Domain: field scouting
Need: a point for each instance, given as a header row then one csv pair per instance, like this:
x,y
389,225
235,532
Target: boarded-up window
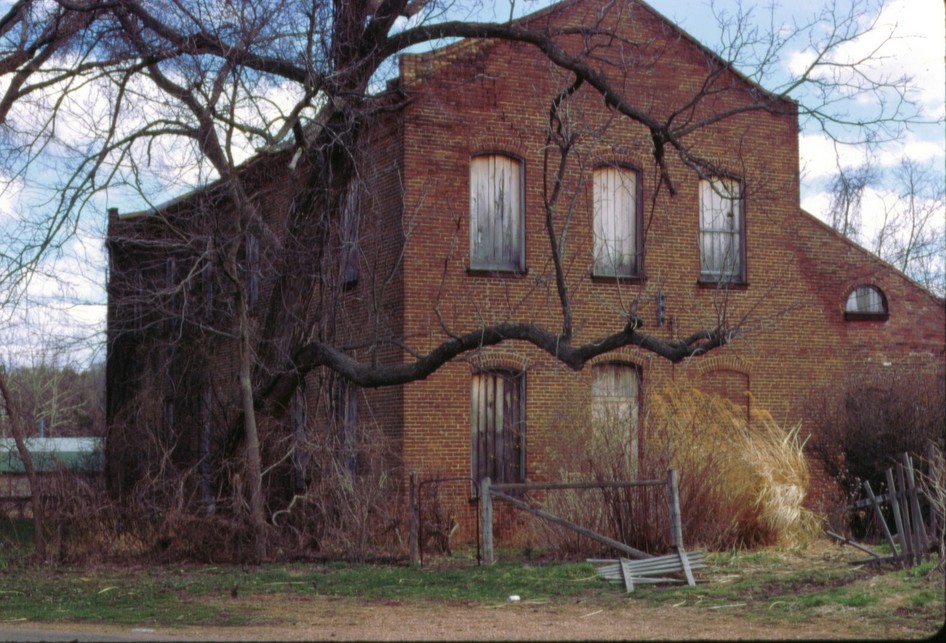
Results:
x,y
721,223
497,422
615,222
496,213
252,269
205,448
346,420
297,426
615,408
866,302
348,259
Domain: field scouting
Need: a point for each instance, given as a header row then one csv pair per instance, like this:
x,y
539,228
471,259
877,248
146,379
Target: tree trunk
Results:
x,y
254,469
36,500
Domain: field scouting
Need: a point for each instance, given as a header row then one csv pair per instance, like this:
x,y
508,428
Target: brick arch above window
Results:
x,y
627,355
865,302
493,359
705,365
490,144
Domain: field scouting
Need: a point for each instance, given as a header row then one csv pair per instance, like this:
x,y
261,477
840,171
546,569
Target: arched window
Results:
x,y
866,303
497,232
498,426
722,232
615,411
616,222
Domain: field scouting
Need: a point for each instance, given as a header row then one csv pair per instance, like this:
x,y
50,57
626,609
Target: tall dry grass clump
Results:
x,y
743,480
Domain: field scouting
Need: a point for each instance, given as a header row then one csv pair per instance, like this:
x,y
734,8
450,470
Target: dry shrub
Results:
x,y
742,483
862,427
350,506
601,452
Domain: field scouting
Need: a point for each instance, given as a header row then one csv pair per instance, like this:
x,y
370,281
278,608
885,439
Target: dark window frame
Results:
x,y
478,265
505,461
853,315
346,424
737,278
638,269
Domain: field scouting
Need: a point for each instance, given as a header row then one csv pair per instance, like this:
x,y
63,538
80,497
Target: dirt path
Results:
x,y
323,618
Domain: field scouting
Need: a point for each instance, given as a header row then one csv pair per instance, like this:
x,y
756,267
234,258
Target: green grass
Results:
x,y
761,585
199,595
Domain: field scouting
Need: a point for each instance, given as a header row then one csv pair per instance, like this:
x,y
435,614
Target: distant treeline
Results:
x,y
58,402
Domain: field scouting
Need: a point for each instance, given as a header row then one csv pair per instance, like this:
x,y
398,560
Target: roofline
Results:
x,y
465,42
559,6
886,264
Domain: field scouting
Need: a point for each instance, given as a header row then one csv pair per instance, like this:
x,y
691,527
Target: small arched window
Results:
x,y
866,303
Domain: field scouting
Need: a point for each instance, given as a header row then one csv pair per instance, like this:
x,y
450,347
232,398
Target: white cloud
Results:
x,y
11,188
919,48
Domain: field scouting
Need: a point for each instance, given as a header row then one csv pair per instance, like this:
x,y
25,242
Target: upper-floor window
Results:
x,y
722,251
252,269
348,259
616,222
866,302
496,213
498,426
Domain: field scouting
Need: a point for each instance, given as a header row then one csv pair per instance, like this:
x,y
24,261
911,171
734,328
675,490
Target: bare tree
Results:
x,y
116,89
847,195
911,235
18,423
905,226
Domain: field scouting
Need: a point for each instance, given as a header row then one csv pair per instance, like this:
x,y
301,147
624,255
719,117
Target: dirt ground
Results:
x,y
322,618
307,618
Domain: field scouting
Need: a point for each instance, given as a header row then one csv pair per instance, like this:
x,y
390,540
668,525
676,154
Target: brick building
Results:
x,y
444,232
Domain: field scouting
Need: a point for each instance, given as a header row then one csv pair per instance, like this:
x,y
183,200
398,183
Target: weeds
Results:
x,y
742,481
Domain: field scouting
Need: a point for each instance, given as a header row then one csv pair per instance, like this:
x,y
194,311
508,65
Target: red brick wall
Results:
x,y
793,342
414,285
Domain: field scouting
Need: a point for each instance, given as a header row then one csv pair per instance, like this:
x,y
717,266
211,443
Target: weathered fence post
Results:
x,y
880,517
486,503
413,518
673,500
895,509
904,499
921,544
932,473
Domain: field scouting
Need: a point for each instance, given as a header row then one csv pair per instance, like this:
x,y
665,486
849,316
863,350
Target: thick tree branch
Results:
x,y
372,375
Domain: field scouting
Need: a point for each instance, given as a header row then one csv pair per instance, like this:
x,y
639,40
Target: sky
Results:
x,y
64,310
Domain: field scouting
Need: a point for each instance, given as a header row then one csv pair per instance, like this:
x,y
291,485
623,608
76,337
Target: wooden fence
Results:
x,y
911,542
490,491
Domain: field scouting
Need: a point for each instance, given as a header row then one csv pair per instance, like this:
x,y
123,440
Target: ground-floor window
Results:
x,y
497,423
615,411
346,423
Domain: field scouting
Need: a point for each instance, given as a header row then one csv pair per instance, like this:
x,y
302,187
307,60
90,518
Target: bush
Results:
x,y
742,483
862,430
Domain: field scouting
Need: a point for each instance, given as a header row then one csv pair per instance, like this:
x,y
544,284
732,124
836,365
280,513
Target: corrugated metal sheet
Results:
x,y
85,455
